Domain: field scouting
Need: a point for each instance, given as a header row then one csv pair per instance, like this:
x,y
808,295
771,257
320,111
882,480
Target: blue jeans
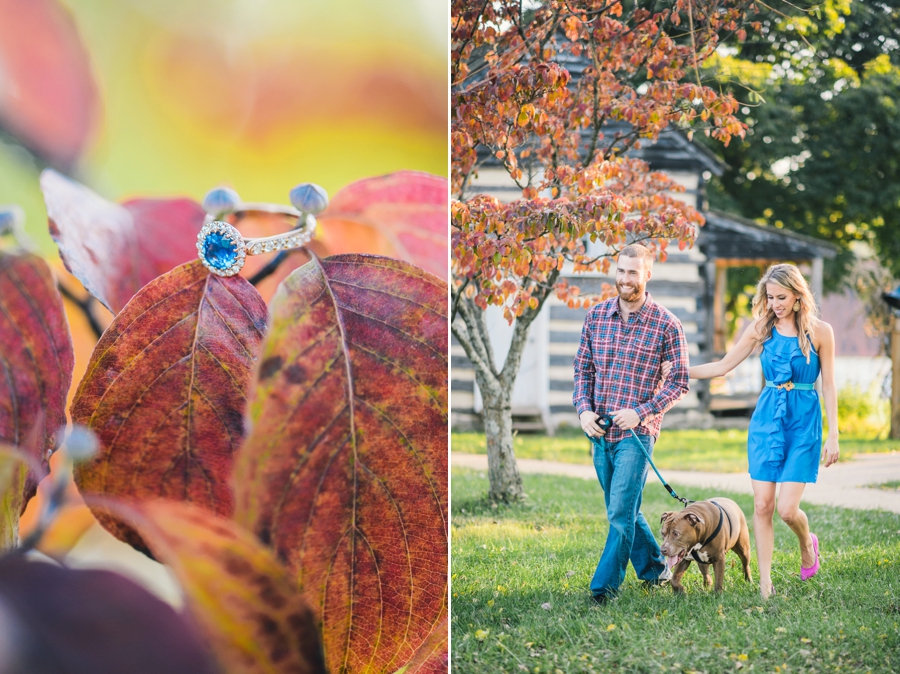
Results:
x,y
622,470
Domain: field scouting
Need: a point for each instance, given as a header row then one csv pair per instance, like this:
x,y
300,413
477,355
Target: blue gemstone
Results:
x,y
220,252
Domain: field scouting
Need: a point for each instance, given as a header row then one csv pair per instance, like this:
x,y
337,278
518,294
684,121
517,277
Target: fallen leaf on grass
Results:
x,y
165,392
345,470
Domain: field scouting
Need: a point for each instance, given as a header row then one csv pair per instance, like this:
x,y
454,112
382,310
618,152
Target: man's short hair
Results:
x,y
639,251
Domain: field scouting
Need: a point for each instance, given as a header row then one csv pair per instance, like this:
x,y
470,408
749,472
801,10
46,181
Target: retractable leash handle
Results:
x,y
605,422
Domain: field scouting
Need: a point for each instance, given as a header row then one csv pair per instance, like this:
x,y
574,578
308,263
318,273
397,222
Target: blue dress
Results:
x,y
785,439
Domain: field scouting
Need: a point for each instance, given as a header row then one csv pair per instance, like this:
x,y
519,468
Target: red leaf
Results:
x,y
49,99
36,359
91,622
165,392
403,215
245,602
115,250
345,470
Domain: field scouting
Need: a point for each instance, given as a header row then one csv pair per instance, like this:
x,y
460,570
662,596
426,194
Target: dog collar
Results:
x,y
715,533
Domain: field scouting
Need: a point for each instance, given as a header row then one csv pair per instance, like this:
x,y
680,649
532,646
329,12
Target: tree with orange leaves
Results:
x,y
557,94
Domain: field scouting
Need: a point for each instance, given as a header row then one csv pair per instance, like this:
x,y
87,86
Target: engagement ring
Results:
x,y
220,245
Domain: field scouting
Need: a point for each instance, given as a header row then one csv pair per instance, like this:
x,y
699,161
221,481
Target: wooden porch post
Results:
x,y
816,280
719,308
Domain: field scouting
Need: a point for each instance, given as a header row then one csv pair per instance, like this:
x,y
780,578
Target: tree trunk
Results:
x,y
895,378
470,329
505,482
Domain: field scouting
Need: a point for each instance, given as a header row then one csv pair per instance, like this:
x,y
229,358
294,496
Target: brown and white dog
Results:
x,y
704,532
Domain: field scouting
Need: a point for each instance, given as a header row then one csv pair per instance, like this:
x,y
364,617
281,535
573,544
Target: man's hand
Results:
x,y
626,419
589,424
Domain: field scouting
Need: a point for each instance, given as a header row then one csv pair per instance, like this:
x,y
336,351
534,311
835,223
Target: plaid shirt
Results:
x,y
618,364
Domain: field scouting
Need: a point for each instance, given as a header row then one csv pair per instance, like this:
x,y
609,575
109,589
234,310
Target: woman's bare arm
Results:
x,y
825,348
732,359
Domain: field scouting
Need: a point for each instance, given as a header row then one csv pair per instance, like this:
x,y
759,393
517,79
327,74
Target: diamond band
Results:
x,y
221,247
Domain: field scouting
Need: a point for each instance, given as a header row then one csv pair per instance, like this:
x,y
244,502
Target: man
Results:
x,y
624,342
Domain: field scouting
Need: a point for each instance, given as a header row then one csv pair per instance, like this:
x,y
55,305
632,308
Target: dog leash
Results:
x,y
605,423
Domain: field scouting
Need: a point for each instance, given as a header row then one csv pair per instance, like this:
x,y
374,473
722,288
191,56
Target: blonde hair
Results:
x,y
806,319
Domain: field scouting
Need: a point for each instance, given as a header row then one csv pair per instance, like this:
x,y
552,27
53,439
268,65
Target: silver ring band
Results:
x,y
221,247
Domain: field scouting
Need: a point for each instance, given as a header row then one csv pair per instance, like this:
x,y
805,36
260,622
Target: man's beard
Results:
x,y
632,294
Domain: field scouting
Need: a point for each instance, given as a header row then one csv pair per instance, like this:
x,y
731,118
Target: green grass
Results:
x,y
508,561
718,451
893,485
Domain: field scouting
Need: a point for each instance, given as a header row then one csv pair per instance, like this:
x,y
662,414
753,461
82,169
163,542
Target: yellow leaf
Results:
x,y
610,627
481,635
245,602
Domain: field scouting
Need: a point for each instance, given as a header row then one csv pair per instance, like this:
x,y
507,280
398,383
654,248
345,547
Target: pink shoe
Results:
x,y
806,574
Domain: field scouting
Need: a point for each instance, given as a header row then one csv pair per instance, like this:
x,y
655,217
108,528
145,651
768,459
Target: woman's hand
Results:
x,y
832,450
664,374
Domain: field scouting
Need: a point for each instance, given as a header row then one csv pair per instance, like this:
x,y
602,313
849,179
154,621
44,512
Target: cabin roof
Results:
x,y
728,236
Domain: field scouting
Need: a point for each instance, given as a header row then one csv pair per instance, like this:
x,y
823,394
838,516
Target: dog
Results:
x,y
704,532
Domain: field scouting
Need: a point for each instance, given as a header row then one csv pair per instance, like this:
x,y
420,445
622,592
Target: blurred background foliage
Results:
x,y
819,83
175,97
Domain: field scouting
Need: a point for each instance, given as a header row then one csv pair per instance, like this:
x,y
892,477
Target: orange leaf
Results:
x,y
243,600
403,215
49,98
13,476
431,658
345,470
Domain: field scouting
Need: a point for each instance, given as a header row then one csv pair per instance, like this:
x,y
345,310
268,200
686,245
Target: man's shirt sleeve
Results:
x,y
584,371
675,386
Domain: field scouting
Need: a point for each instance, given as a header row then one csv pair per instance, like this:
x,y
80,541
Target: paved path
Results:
x,y
843,484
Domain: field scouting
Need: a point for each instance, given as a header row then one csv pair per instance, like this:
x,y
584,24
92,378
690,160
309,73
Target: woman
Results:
x,y
785,440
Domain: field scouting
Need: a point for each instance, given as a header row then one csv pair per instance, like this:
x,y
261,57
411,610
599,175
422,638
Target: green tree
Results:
x,y
821,152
